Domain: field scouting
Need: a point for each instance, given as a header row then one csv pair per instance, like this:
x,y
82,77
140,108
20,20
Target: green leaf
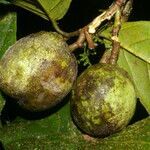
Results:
x,y
7,38
47,9
55,127
56,9
58,132
29,5
7,31
135,56
4,2
135,38
139,71
134,137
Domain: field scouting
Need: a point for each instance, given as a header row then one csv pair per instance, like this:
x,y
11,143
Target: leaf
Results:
x,y
134,137
4,2
58,132
135,56
8,31
55,9
135,38
29,5
138,70
7,38
58,125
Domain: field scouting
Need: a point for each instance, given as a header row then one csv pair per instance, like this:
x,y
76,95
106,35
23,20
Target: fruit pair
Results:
x,y
38,71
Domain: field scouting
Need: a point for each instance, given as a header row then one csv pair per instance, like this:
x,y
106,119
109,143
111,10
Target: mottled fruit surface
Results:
x,y
103,100
38,71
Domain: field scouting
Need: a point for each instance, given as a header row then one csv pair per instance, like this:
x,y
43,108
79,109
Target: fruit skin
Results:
x,y
103,100
38,71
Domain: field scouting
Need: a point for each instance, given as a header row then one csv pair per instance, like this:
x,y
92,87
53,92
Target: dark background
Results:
x,y
80,13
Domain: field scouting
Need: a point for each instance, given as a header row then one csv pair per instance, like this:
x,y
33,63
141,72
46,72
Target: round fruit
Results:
x,y
103,100
38,70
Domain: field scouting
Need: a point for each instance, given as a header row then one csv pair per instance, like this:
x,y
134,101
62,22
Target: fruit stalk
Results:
x,y
121,15
115,40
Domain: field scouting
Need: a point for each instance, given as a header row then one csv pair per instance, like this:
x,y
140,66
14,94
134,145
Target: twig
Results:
x,y
121,15
115,40
79,41
106,15
89,39
55,25
65,34
127,11
106,57
83,36
85,32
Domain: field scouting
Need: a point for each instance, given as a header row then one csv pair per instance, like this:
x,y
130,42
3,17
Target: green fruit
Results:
x,y
38,71
103,100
